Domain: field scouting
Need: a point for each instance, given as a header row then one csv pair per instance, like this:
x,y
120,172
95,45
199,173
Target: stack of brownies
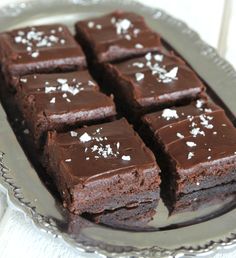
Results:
x,y
93,154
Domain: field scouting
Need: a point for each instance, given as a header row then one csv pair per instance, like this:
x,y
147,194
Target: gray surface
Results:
x,y
28,194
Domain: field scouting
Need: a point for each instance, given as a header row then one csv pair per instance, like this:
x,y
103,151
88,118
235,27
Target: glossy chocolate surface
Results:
x,y
38,49
117,36
168,116
54,101
202,139
198,142
100,151
154,81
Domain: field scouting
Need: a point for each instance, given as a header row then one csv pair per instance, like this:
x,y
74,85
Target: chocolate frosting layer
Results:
x,y
116,36
39,49
61,101
203,139
100,151
57,94
168,116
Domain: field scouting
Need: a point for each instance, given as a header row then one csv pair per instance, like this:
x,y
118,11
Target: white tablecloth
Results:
x,y
18,236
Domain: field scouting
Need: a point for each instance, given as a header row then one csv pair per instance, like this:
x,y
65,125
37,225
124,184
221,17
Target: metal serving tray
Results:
x,y
187,233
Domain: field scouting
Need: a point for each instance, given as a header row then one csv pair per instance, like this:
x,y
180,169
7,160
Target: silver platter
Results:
x,y
188,233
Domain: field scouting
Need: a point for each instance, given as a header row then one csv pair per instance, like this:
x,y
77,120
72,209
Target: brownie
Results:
x,y
152,82
61,101
102,167
116,36
39,49
199,150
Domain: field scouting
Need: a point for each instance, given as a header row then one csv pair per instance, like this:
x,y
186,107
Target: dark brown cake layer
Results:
x,y
61,101
102,167
116,36
152,82
199,148
38,49
205,198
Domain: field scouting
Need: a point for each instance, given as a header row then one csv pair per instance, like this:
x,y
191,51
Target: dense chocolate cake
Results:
x,y
102,167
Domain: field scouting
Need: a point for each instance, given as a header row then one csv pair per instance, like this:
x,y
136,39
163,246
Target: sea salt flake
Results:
x,y
139,65
35,54
197,183
21,33
197,131
49,89
91,83
169,114
158,58
90,24
53,38
73,134
190,155
18,39
85,137
61,81
209,157
68,160
94,148
68,100
24,80
136,31
139,76
113,20
99,26
191,144
126,157
128,37
148,56
199,103
210,126
87,158
53,100
138,46
172,73
122,26
180,135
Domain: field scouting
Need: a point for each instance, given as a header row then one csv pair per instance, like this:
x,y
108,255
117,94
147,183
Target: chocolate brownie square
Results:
x,y
61,101
39,49
152,82
102,167
199,151
116,36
